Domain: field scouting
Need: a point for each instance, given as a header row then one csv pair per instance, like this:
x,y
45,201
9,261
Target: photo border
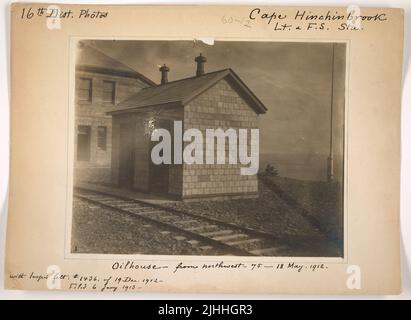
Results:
x,y
68,255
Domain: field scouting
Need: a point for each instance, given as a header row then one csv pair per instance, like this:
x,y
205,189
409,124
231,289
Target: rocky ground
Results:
x,y
268,213
99,230
305,213
319,202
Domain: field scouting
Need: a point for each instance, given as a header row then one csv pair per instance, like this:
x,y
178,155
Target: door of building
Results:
x,y
159,174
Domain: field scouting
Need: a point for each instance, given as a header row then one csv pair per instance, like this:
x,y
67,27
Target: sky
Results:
x,y
293,80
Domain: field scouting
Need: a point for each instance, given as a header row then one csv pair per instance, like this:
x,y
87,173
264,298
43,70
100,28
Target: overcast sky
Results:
x,y
293,80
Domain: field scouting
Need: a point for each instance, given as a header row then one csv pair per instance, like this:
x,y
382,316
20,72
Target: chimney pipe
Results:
x,y
200,64
164,70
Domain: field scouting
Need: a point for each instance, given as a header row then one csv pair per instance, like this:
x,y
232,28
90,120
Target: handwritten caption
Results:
x,y
352,19
54,12
160,273
307,20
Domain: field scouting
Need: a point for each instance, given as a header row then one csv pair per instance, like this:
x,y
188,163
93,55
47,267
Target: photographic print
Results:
x,y
205,149
186,148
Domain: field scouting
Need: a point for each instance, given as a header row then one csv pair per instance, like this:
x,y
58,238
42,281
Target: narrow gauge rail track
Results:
x,y
210,234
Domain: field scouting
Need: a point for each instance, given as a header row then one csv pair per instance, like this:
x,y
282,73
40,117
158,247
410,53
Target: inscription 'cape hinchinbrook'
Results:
x,y
257,13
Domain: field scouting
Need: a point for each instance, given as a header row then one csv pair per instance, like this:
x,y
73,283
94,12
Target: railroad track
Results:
x,y
209,234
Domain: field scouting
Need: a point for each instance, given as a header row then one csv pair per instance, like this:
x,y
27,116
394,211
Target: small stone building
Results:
x,y
212,100
101,82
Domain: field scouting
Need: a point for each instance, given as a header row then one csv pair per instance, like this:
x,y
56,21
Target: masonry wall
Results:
x,y
93,113
117,122
175,175
218,107
141,148
142,122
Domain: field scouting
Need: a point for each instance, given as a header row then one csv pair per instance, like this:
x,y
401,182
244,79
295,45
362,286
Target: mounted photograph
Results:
x,y
219,150
229,149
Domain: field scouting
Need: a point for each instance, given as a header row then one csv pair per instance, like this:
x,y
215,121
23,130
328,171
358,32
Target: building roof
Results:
x,y
93,60
184,90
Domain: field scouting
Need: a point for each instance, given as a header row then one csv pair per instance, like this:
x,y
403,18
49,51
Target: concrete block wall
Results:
x,y
142,154
93,114
141,148
117,121
98,168
169,114
218,107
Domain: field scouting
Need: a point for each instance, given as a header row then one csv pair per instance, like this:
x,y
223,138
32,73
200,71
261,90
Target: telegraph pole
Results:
x,y
330,161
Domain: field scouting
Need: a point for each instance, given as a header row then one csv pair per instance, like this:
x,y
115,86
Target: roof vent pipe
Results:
x,y
200,64
164,71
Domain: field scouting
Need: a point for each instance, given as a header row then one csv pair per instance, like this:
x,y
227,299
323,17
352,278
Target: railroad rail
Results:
x,y
210,234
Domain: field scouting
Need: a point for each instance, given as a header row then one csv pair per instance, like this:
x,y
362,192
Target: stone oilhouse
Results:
x,y
212,100
101,82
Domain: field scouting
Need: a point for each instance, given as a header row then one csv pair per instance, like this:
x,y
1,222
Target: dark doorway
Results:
x,y
126,165
159,174
83,143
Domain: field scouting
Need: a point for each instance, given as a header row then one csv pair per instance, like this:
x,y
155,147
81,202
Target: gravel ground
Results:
x,y
267,213
321,202
304,214
100,230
